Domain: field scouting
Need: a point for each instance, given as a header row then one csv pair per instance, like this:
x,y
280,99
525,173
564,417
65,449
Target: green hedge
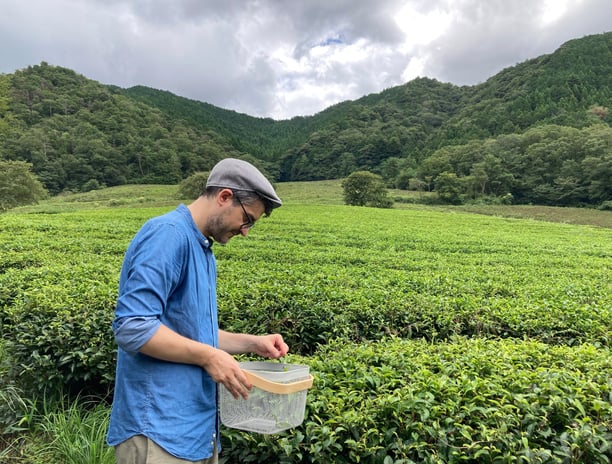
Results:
x,y
333,280
325,272
57,331
58,287
466,400
313,274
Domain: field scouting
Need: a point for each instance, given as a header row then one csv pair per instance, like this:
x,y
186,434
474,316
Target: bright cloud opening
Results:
x,y
553,10
421,29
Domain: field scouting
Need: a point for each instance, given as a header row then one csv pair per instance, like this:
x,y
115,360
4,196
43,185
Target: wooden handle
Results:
x,y
280,388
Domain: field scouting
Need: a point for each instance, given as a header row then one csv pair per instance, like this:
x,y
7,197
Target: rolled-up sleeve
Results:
x,y
131,333
149,275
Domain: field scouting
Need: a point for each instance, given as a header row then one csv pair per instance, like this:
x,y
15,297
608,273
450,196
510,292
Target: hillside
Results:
x,y
549,116
559,88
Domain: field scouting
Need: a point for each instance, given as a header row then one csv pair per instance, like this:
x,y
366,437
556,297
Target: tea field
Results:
x,y
435,335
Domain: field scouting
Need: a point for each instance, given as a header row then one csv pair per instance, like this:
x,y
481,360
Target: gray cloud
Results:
x,y
285,58
486,37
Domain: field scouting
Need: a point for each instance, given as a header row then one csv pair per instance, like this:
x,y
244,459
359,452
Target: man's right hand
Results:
x,y
224,369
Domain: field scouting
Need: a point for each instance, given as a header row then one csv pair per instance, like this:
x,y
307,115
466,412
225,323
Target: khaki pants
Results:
x,y
142,450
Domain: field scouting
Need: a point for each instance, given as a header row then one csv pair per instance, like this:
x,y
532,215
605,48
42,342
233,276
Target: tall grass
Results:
x,y
16,410
64,431
15,413
74,433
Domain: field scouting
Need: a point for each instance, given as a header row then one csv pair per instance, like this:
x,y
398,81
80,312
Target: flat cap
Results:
x,y
239,175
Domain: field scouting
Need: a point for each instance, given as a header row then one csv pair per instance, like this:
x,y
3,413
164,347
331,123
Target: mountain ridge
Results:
x,y
79,134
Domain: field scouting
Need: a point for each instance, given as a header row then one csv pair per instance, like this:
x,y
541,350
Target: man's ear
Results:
x,y
225,196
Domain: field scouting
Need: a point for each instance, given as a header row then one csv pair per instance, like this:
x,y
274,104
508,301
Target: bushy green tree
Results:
x,y
449,187
363,188
193,186
18,185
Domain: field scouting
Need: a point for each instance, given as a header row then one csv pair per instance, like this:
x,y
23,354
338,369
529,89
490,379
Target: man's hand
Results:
x,y
271,346
224,369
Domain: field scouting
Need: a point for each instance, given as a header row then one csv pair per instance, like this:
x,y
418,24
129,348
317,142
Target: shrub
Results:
x,y
338,274
18,185
332,274
56,306
91,184
60,337
364,188
192,187
398,401
606,206
448,186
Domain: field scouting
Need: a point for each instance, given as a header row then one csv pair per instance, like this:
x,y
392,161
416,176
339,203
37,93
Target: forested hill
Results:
x,y
571,87
537,132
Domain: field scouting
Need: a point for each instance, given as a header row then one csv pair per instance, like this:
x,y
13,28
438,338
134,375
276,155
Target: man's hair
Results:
x,y
247,197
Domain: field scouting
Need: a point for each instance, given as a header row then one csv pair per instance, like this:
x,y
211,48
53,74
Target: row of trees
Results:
x,y
550,165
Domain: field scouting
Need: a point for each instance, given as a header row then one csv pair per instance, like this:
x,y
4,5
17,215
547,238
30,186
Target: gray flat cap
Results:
x,y
239,175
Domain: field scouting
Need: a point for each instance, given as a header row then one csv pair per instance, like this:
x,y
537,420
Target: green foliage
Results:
x,y
364,188
448,187
606,206
424,274
58,300
5,116
364,134
53,344
402,401
192,187
136,195
261,137
15,410
73,432
436,338
550,165
18,185
79,134
410,122
337,275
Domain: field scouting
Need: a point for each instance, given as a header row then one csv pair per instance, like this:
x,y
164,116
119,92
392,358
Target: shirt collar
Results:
x,y
204,241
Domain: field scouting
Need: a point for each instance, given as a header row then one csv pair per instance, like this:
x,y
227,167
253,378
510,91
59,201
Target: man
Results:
x,y
171,352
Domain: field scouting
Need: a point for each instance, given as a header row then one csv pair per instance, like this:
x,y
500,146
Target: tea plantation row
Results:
x,y
333,278
465,400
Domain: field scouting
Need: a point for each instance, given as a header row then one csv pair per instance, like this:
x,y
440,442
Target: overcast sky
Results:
x,y
285,58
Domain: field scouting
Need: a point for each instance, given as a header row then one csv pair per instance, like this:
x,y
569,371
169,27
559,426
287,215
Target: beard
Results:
x,y
218,229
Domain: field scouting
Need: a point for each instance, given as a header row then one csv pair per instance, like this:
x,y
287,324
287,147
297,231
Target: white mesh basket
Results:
x,y
277,401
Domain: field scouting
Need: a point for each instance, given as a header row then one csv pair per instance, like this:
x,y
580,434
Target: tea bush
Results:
x,y
57,295
312,273
60,335
466,400
332,279
323,272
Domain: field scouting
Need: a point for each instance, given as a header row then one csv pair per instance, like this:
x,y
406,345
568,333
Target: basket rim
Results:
x,y
276,387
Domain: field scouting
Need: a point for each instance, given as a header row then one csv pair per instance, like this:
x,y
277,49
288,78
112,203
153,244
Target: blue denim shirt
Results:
x,y
168,277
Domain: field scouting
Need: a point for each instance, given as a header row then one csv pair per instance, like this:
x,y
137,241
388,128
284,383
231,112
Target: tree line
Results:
x,y
538,132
